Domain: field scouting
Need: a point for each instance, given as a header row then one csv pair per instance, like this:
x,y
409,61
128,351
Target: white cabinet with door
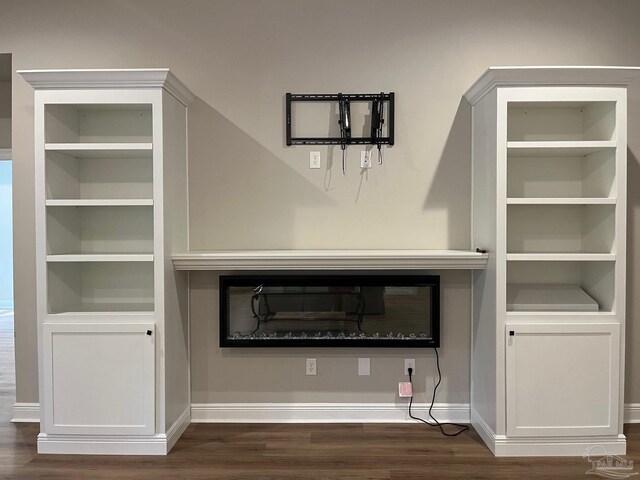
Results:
x,y
549,204
111,208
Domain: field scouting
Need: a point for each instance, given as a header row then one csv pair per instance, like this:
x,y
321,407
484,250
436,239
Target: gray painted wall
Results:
x,y
249,191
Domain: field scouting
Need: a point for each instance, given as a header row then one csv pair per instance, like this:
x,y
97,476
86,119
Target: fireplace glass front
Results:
x,y
330,310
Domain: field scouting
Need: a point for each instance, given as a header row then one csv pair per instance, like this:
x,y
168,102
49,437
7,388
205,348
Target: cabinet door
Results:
x,y
562,379
99,378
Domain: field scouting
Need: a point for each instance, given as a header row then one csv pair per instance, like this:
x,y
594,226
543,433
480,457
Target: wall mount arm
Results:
x,y
344,100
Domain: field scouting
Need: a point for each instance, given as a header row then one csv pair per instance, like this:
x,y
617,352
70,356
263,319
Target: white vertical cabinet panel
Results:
x,y
562,379
99,378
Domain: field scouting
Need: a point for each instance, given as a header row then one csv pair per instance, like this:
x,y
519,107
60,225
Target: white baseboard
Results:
x,y
178,428
26,413
307,412
324,412
632,413
484,430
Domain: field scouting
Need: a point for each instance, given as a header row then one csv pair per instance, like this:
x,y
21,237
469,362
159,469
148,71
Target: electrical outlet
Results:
x,y
311,366
314,160
365,159
409,363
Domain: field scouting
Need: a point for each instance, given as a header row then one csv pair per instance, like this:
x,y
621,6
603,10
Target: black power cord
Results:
x,y
463,428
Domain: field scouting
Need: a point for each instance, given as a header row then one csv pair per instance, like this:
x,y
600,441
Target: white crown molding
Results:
x,y
330,260
324,412
109,78
550,75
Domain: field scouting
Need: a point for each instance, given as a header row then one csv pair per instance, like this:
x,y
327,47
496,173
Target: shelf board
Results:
x,y
101,202
101,257
122,309
102,150
330,260
557,148
560,201
559,298
561,257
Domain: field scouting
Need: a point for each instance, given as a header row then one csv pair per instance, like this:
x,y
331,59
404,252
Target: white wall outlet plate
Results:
x,y
314,159
311,367
365,159
409,363
364,366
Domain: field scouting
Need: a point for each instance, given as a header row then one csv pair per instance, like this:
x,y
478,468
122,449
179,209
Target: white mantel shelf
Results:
x,y
330,260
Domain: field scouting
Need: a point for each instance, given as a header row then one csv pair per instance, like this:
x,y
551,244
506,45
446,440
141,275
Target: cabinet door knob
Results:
x,y
149,332
511,333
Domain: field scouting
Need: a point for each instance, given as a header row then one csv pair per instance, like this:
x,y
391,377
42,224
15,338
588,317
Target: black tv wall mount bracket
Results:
x,y
378,120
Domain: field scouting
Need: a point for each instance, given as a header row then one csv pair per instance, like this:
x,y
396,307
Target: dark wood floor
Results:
x,y
279,451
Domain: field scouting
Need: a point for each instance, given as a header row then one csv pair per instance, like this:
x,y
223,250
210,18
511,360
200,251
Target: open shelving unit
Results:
x,y
549,203
99,207
111,208
561,204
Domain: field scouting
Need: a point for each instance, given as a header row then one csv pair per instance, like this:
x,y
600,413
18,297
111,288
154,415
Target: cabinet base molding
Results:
x,y
103,444
501,446
324,412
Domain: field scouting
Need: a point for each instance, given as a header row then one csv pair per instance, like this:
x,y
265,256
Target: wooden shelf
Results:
x,y
330,260
557,148
98,150
560,201
101,257
561,257
101,202
560,298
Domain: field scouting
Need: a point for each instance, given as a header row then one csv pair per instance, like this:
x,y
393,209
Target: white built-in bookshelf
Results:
x,y
110,152
549,204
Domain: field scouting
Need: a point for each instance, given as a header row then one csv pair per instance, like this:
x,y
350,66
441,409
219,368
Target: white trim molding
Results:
x,y
330,260
293,412
324,412
549,76
501,446
159,444
103,444
26,413
109,78
632,413
177,429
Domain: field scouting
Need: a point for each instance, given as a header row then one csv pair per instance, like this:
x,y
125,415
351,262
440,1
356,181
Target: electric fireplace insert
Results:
x,y
330,311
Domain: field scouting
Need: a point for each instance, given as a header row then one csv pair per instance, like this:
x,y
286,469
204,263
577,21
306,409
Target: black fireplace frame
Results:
x,y
373,279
